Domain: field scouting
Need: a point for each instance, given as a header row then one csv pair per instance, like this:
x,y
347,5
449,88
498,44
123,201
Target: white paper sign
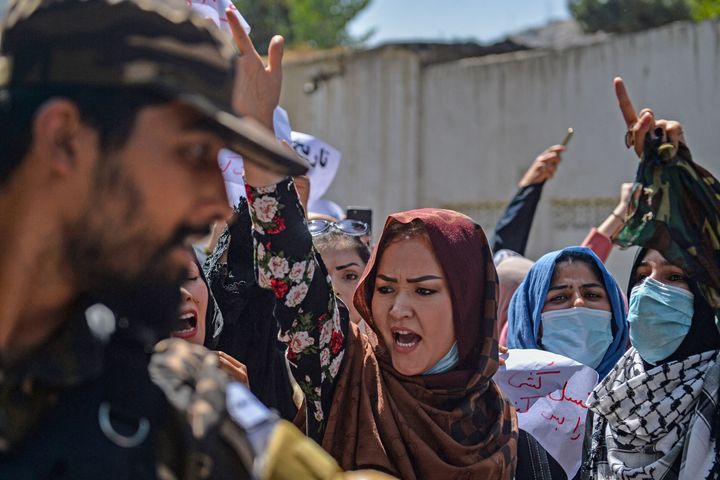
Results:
x,y
324,160
281,125
231,166
215,10
231,163
549,392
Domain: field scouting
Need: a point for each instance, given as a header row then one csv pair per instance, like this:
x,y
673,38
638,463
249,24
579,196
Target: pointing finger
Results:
x,y
626,106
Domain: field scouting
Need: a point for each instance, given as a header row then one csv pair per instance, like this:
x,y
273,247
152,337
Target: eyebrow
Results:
x,y
585,285
424,278
343,267
664,263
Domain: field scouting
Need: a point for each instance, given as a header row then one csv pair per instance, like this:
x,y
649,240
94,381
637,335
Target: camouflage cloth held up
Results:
x,y
675,209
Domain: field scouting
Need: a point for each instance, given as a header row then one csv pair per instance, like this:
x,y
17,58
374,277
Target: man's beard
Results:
x,y
146,297
112,261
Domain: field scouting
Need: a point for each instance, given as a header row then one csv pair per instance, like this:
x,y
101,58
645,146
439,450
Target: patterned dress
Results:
x,y
311,324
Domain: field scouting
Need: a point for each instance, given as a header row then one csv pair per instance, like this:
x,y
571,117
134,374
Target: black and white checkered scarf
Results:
x,y
656,424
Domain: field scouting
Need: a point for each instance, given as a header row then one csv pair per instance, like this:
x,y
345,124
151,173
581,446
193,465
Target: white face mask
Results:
x,y
582,334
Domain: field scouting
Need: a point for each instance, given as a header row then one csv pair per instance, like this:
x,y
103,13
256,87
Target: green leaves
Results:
x,y
704,9
628,15
303,23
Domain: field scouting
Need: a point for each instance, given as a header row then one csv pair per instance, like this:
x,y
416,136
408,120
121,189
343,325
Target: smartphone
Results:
x,y
362,214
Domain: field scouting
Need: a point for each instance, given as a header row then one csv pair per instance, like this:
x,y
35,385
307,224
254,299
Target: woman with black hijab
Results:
x,y
200,320
656,412
250,331
654,395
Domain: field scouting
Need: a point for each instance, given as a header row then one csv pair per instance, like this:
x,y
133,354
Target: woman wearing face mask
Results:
x,y
421,403
656,413
345,257
645,408
568,304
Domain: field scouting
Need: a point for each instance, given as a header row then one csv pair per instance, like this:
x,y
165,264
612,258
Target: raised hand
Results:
x,y
257,87
639,125
257,90
544,167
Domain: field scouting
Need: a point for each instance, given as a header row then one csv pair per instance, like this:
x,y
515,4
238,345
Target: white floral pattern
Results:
x,y
298,271
279,267
310,323
335,365
324,357
325,334
296,295
300,341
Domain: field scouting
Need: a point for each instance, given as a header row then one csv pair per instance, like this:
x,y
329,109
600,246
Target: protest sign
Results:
x,y
549,392
215,10
231,166
324,160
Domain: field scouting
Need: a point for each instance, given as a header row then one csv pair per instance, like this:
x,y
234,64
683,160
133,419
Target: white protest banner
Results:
x,y
324,160
231,163
215,10
231,166
281,125
549,392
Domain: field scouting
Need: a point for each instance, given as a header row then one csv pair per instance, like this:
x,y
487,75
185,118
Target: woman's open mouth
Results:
x,y
188,325
405,341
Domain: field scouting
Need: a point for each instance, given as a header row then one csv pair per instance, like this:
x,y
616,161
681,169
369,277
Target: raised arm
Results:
x,y
285,260
599,239
513,229
674,207
305,305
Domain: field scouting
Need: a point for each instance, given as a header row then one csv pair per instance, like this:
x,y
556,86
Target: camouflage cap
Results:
x,y
158,44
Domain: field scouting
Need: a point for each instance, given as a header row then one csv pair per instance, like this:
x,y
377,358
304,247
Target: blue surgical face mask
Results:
x,y
660,317
582,334
447,363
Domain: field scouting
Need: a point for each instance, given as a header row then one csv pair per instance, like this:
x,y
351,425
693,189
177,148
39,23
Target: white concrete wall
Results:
x,y
369,113
460,134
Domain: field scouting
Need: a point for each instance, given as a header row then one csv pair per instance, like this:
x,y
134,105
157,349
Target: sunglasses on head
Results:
x,y
354,228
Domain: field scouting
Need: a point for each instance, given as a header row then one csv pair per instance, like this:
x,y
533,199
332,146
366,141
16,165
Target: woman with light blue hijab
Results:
x,y
568,304
546,317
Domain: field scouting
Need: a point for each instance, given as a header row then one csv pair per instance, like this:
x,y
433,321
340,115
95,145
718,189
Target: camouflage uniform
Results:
x,y
82,405
79,408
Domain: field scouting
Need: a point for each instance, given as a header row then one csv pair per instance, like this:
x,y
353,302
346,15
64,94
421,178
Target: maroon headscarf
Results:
x,y
462,250
454,425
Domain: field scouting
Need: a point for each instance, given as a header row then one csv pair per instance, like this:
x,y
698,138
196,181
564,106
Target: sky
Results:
x,y
449,20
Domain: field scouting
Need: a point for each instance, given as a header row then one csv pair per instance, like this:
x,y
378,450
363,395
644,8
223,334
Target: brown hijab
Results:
x,y
455,425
